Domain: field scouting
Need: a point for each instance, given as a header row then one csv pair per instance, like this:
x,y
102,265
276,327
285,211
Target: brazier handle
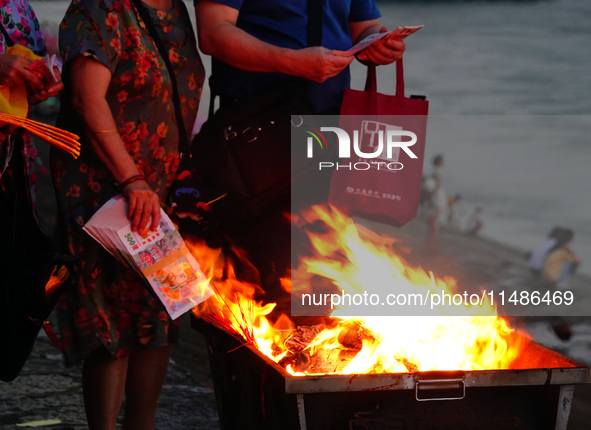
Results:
x,y
440,389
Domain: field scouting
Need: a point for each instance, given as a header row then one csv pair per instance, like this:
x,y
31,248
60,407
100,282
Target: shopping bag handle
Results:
x,y
371,83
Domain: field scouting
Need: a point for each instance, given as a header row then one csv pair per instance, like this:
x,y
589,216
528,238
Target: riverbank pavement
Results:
x,y
48,396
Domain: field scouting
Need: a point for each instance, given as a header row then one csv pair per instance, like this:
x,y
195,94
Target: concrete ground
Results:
x,y
48,392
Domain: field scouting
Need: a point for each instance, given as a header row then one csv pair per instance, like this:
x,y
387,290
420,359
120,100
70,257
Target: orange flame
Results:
x,y
356,260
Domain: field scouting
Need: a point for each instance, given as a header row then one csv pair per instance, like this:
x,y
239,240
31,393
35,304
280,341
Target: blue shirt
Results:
x,y
284,23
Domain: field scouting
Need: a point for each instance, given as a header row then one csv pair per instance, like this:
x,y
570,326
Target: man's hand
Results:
x,y
318,64
384,51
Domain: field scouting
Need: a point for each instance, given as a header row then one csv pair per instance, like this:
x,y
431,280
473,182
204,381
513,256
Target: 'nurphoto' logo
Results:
x,y
377,145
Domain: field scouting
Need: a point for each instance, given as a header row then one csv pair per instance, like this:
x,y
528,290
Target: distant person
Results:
x,y
475,223
438,199
561,261
454,209
538,256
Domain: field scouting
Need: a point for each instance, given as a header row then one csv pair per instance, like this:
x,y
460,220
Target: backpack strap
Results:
x,y
7,39
314,23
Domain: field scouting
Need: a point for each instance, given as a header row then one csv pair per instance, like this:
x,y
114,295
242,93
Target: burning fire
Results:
x,y
356,260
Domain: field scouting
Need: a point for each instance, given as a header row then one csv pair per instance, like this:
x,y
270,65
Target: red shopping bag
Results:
x,y
382,178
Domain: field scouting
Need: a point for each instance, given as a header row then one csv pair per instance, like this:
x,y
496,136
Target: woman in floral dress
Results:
x,y
118,98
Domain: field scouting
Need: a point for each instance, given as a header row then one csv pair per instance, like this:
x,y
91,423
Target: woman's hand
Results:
x,y
13,72
50,91
144,206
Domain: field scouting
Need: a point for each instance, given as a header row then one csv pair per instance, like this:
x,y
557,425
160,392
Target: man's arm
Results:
x,y
380,53
220,38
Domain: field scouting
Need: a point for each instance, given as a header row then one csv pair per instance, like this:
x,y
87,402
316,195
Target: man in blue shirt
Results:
x,y
258,42
255,44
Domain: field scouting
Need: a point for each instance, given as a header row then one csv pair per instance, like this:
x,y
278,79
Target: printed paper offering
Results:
x,y
43,69
399,33
161,256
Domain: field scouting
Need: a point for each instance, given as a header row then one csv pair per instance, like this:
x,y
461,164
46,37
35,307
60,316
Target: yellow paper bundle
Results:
x,y
14,107
13,100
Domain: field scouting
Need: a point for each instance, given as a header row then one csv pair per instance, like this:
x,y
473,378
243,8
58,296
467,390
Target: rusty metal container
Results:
x,y
253,392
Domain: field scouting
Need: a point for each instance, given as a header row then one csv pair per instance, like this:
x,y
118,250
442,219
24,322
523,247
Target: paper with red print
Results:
x,y
161,256
399,33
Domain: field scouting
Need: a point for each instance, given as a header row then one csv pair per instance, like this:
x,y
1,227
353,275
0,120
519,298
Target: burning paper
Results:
x,y
160,256
345,344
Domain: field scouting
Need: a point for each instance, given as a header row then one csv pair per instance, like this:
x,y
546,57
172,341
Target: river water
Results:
x,y
509,86
507,62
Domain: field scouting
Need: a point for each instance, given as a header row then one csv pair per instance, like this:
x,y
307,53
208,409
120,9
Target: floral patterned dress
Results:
x,y
110,305
20,23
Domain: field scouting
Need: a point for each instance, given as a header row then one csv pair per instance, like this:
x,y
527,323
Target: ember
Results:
x,y
355,259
